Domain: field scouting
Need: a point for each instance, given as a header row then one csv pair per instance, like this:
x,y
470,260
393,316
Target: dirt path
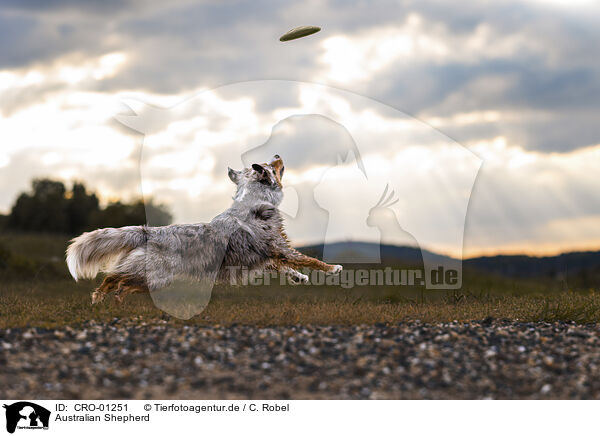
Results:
x,y
410,360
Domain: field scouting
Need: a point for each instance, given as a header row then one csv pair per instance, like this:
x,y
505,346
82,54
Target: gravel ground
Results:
x,y
487,359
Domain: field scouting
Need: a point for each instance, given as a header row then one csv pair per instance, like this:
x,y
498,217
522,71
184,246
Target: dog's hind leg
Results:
x,y
108,285
130,285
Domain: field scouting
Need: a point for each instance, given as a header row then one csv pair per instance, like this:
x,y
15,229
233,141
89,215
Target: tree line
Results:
x,y
52,208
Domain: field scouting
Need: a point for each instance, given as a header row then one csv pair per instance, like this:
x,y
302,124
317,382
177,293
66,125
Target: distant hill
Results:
x,y
364,250
576,263
585,265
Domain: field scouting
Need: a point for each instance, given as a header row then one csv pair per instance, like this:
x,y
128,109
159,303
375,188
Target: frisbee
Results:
x,y
299,32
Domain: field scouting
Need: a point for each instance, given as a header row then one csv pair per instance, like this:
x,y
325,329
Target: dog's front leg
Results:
x,y
295,260
294,277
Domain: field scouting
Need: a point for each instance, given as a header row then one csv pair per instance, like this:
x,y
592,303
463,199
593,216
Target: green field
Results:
x,y
35,290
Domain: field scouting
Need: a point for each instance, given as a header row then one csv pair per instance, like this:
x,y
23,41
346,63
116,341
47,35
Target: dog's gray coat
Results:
x,y
250,234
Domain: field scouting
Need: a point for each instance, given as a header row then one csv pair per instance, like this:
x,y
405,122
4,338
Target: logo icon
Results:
x,y
26,415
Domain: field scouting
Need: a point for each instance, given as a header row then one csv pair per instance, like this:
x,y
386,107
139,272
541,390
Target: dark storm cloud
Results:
x,y
181,46
96,6
18,34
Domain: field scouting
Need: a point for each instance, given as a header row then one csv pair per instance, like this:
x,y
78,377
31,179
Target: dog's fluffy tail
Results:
x,y
101,249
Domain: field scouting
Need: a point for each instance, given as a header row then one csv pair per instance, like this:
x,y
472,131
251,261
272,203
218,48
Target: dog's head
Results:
x,y
260,182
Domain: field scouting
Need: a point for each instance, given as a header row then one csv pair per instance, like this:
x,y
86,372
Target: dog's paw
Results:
x,y
118,297
336,269
97,297
298,279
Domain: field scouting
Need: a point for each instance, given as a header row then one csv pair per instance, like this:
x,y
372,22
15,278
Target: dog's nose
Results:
x,y
276,159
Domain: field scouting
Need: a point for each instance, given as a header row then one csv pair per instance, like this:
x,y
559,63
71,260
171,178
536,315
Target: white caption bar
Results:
x,y
300,417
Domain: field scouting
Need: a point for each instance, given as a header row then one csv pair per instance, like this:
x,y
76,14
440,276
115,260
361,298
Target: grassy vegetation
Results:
x,y
45,297
65,303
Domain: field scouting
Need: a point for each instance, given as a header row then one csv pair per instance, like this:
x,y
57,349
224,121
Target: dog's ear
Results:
x,y
259,169
233,175
263,174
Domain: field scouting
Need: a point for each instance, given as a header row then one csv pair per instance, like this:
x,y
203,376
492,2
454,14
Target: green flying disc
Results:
x,y
299,32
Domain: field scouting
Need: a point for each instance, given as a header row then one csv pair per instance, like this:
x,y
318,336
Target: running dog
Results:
x,y
249,234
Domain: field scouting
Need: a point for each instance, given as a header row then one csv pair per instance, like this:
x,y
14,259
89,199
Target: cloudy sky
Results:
x,y
483,118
